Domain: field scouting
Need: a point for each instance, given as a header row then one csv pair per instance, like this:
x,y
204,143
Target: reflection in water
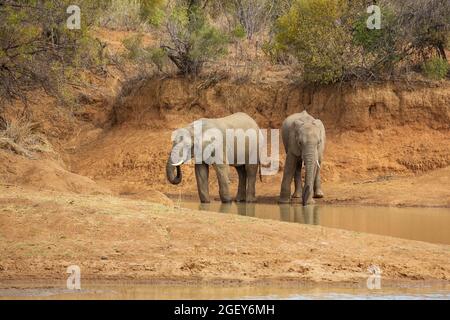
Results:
x,y
424,224
299,214
287,213
136,291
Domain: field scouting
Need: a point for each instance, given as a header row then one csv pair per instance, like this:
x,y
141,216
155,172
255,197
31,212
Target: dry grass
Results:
x,y
20,136
124,15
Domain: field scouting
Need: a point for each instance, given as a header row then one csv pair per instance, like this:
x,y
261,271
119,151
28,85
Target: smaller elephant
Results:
x,y
304,142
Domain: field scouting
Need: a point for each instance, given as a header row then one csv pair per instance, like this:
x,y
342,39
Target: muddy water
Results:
x,y
423,224
133,291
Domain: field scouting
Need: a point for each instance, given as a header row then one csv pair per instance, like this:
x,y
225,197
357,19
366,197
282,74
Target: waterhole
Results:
x,y
140,291
423,224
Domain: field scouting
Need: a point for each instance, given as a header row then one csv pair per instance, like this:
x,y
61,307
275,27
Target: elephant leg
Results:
x,y
318,193
202,176
297,196
288,174
242,187
252,172
223,180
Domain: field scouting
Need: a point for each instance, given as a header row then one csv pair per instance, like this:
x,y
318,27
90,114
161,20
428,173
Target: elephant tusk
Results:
x,y
178,164
318,164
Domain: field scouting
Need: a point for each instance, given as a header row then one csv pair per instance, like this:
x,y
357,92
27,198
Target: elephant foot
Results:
x,y
226,200
296,199
310,201
250,200
284,201
239,199
205,201
318,194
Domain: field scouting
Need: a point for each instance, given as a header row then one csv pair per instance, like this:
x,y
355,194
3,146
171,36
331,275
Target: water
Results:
x,y
423,224
135,291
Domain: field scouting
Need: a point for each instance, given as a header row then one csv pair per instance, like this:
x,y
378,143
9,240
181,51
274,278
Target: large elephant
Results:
x,y
247,168
304,142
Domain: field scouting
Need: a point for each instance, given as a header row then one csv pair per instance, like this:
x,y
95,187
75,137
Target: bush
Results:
x,y
381,48
134,15
192,40
276,52
123,15
435,68
20,136
152,11
36,47
331,41
238,32
252,15
144,57
311,31
425,23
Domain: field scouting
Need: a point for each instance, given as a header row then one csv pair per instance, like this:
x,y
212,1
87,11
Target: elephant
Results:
x,y
304,141
247,168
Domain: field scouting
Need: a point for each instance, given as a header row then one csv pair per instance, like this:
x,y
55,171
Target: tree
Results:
x,y
153,11
312,31
36,47
192,39
426,24
253,15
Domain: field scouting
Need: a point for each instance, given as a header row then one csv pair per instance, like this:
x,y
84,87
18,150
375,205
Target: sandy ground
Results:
x,y
118,238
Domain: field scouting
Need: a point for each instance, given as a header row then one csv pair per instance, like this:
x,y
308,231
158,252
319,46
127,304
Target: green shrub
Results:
x,y
311,31
38,50
435,68
152,11
192,40
123,15
425,24
374,40
276,52
143,56
238,32
382,48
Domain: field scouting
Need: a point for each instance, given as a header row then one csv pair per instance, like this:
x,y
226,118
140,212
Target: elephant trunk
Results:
x,y
309,158
170,168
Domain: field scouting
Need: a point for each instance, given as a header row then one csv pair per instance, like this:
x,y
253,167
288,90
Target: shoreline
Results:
x,y
218,283
322,202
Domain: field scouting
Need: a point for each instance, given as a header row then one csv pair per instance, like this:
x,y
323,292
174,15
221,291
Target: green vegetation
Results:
x,y
435,68
132,15
38,50
312,33
331,41
192,39
153,11
325,40
123,15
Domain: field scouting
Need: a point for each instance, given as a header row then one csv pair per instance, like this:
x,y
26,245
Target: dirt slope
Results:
x,y
375,133
357,107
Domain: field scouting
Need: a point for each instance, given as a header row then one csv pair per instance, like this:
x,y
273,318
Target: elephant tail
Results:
x,y
260,172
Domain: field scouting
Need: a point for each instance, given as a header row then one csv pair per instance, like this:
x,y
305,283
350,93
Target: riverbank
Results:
x,y
115,238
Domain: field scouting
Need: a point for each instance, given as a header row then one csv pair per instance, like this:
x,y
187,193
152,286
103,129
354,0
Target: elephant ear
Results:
x,y
319,124
294,136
